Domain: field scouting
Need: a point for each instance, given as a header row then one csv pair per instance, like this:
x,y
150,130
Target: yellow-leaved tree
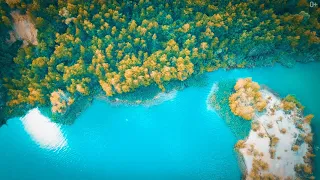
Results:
x,y
246,99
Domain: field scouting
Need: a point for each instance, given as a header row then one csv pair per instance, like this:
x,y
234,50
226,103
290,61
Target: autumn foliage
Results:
x,y
290,102
59,101
88,47
246,99
308,118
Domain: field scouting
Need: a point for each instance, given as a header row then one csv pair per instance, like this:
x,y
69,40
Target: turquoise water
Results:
x,y
177,139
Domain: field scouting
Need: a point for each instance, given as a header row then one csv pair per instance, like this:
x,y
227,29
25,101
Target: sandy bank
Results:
x,y
275,146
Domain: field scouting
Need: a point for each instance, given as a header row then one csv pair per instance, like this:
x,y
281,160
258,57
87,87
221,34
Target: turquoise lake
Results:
x,y
179,138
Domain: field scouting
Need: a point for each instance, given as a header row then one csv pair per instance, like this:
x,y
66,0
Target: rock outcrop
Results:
x,y
24,29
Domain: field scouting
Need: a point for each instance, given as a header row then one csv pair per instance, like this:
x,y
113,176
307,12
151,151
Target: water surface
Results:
x,y
177,139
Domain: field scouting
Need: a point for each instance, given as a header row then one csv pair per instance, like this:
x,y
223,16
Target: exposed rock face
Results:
x,y
279,143
24,29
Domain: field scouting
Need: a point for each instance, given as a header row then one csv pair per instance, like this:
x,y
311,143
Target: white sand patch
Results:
x,y
23,29
44,132
270,123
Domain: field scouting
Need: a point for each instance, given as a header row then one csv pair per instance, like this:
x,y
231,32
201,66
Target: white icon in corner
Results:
x,y
313,4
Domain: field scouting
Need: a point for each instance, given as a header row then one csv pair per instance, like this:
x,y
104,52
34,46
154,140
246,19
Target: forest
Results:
x,y
86,48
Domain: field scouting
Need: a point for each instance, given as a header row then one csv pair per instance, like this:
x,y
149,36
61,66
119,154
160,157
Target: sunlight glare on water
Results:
x,y
173,136
44,132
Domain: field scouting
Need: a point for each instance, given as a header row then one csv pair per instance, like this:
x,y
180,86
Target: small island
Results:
x,y
279,143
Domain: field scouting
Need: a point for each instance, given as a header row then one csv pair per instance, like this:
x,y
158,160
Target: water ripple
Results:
x,y
44,132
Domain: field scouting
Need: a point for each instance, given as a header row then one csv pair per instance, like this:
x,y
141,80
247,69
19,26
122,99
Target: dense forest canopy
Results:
x,y
86,47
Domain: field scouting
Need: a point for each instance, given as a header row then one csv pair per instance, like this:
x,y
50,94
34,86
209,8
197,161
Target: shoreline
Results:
x,y
159,98
154,97
260,150
178,86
